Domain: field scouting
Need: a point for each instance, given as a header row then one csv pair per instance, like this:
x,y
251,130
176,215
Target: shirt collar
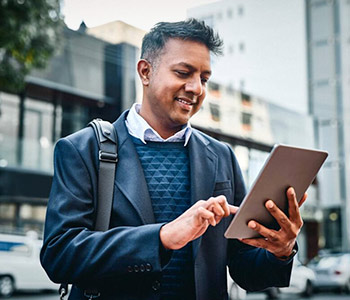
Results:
x,y
139,128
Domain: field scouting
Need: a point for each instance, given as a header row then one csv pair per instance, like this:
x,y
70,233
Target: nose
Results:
x,y
194,85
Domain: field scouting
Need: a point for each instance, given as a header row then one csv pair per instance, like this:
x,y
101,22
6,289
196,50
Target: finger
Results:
x,y
222,202
303,200
258,242
279,215
293,209
206,215
225,206
218,211
269,234
233,209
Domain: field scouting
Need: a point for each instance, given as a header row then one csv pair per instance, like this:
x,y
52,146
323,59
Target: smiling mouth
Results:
x,y
185,101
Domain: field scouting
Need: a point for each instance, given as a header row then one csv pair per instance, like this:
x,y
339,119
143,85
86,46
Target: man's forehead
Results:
x,y
188,53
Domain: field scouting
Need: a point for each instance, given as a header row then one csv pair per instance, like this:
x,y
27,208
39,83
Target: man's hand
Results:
x,y
195,221
280,242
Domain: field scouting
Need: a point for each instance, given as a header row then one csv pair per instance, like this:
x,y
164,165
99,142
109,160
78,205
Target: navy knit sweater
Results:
x,y
167,172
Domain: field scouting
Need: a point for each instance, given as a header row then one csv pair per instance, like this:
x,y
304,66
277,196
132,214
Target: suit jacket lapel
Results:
x,y
203,168
130,178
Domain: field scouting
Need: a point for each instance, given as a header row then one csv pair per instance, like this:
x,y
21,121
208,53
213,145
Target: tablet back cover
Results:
x,y
285,167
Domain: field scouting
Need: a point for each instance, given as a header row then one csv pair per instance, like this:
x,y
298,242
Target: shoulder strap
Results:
x,y
108,156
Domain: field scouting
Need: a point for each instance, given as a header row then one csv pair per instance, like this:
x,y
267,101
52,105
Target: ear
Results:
x,y
144,70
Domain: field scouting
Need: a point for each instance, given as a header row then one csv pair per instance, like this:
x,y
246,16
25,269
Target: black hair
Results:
x,y
191,29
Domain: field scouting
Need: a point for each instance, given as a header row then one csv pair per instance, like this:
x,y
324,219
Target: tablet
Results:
x,y
285,167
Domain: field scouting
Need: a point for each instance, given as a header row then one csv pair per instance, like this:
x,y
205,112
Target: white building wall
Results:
x,y
265,48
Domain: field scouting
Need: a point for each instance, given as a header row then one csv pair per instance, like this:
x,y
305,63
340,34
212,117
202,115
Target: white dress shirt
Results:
x,y
139,128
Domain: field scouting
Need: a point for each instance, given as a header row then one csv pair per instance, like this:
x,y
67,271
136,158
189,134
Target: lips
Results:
x,y
185,100
185,103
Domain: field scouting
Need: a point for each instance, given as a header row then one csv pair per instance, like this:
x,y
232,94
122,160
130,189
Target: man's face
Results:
x,y
177,85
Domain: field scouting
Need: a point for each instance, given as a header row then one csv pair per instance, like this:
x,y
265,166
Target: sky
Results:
x,y
140,13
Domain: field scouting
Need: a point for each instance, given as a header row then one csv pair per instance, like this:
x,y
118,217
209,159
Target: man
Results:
x,y
174,193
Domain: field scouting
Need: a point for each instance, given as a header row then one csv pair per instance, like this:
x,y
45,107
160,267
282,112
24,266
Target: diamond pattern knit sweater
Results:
x,y
166,169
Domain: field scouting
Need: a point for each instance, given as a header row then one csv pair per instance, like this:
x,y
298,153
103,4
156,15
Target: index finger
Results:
x,y
221,200
293,206
233,209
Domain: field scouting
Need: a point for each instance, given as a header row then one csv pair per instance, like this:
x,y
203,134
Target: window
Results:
x,y
240,10
241,47
214,90
37,142
246,101
9,123
213,86
214,111
246,121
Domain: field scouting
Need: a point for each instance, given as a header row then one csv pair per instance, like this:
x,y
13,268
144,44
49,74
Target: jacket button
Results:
x,y
156,285
148,267
136,268
130,269
142,268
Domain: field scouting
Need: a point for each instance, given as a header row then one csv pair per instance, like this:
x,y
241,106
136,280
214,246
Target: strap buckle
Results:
x,y
92,294
108,156
63,293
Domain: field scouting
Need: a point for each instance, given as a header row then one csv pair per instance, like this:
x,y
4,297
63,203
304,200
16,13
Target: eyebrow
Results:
x,y
192,68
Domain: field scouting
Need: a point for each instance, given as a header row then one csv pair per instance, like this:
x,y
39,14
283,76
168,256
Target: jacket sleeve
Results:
x,y
253,268
72,251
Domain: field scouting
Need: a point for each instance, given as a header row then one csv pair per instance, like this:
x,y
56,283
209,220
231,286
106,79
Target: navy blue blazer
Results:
x,y
126,261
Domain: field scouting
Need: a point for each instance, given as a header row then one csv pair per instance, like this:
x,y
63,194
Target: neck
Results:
x,y
163,129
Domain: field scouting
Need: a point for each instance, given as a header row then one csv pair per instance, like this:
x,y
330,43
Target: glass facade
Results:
x,y
9,124
87,78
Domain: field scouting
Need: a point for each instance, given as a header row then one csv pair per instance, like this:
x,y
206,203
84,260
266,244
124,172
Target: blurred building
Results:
x,y
296,54
118,32
328,32
264,48
87,78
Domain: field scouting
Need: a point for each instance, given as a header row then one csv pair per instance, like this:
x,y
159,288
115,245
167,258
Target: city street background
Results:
x,y
284,77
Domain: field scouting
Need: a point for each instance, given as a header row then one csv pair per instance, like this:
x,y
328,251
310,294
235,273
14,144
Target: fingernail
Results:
x,y
270,204
252,225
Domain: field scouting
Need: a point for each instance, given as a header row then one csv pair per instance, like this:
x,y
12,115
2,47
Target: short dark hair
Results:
x,y
191,29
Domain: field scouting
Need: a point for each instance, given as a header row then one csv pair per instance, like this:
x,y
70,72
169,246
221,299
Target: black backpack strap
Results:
x,y
108,157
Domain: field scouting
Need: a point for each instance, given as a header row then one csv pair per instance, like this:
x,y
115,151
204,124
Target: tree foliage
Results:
x,y
29,33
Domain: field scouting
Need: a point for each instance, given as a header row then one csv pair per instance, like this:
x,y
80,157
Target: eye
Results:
x,y
182,74
204,80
